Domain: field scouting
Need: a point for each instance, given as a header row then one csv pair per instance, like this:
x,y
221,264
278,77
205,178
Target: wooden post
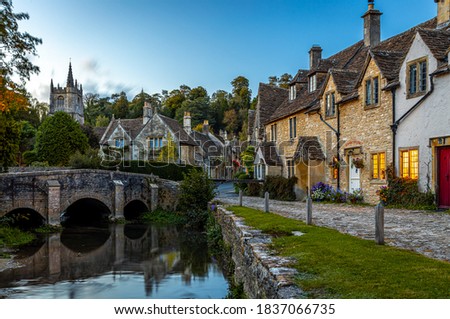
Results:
x,y
266,202
379,224
308,211
240,197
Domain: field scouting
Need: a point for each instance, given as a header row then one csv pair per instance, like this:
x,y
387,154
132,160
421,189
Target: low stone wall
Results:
x,y
262,274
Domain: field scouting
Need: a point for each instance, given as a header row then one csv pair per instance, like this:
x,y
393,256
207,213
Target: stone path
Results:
x,y
427,233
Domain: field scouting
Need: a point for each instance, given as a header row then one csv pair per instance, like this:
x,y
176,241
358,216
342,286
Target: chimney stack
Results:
x,y
205,127
187,122
372,26
315,55
147,112
443,13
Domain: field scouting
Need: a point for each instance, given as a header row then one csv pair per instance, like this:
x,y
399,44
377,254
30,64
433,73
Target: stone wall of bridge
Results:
x,y
51,192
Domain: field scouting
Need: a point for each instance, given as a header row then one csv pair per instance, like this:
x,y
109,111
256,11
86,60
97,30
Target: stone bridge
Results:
x,y
52,193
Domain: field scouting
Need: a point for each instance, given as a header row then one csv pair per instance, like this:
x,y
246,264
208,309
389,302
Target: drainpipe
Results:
x,y
394,132
396,123
338,137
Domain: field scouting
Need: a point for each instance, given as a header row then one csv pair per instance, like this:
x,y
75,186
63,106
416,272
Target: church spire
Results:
x,y
70,77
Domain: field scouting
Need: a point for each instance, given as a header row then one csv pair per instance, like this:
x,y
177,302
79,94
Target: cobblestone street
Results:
x,y
427,233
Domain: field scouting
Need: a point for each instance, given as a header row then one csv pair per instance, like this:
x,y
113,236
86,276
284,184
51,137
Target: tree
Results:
x,y
58,138
283,81
101,121
120,105
169,152
17,47
9,140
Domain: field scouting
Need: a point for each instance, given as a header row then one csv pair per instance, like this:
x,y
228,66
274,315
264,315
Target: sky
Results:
x,y
155,45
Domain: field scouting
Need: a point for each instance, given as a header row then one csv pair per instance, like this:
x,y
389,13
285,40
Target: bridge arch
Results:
x,y
86,211
25,217
134,208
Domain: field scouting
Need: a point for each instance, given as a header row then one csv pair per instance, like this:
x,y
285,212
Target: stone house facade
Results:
x,y
155,137
336,125
422,140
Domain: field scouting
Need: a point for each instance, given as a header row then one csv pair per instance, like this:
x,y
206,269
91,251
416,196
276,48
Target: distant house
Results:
x,y
155,137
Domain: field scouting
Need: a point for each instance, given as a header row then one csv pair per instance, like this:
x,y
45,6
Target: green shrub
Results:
x,y
169,171
254,189
29,157
197,190
280,188
404,192
88,159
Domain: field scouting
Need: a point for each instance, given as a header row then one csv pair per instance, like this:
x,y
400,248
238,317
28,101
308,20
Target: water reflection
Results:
x,y
121,261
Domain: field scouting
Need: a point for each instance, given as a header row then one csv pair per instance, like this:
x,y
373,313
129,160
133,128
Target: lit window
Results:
x,y
409,161
330,106
293,127
379,166
417,78
372,91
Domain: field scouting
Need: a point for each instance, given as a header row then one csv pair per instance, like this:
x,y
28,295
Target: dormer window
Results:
x,y
330,105
119,143
417,77
292,92
312,83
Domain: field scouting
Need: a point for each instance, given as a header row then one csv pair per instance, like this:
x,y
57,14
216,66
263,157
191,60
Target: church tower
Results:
x,y
68,99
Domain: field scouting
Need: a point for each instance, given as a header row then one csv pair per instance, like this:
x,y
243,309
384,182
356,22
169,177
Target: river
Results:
x,y
117,261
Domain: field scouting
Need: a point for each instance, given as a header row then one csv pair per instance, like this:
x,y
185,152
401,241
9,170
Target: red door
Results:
x,y
444,177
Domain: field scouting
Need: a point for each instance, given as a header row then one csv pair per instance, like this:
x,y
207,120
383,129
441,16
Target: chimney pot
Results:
x,y
372,26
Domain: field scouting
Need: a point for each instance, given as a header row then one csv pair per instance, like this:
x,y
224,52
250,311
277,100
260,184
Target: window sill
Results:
x,y
371,106
412,96
329,117
378,181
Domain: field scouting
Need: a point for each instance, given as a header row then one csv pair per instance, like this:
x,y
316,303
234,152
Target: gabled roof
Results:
x,y
132,127
348,65
438,41
344,80
300,77
309,149
211,145
178,130
269,99
268,151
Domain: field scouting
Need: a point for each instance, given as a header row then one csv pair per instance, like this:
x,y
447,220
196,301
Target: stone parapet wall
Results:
x,y
262,274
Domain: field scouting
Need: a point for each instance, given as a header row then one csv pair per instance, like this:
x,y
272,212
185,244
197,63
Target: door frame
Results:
x,y
350,164
438,174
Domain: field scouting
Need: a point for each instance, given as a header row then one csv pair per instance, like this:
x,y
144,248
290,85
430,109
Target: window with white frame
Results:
x,y
312,83
292,92
155,143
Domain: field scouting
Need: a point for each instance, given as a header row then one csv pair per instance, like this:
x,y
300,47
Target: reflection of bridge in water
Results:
x,y
148,250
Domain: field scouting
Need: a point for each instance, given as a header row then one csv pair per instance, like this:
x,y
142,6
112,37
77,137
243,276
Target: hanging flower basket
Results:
x,y
334,163
358,162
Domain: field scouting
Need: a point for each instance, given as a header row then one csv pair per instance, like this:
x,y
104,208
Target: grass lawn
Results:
x,y
335,265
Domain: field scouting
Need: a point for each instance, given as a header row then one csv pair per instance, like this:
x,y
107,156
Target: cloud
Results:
x,y
91,65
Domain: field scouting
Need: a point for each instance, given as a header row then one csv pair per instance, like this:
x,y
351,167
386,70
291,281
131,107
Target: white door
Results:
x,y
354,176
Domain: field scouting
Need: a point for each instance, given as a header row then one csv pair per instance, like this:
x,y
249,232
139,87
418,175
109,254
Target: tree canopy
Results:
x,y
58,137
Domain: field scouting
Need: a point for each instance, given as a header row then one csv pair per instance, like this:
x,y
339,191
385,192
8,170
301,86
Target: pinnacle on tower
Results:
x,y
70,77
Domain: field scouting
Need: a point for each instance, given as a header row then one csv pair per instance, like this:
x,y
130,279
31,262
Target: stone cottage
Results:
x,y
335,123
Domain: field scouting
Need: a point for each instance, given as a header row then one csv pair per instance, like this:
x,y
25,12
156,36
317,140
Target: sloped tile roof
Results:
x,y
210,146
269,99
269,153
178,130
437,40
345,80
300,77
309,148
